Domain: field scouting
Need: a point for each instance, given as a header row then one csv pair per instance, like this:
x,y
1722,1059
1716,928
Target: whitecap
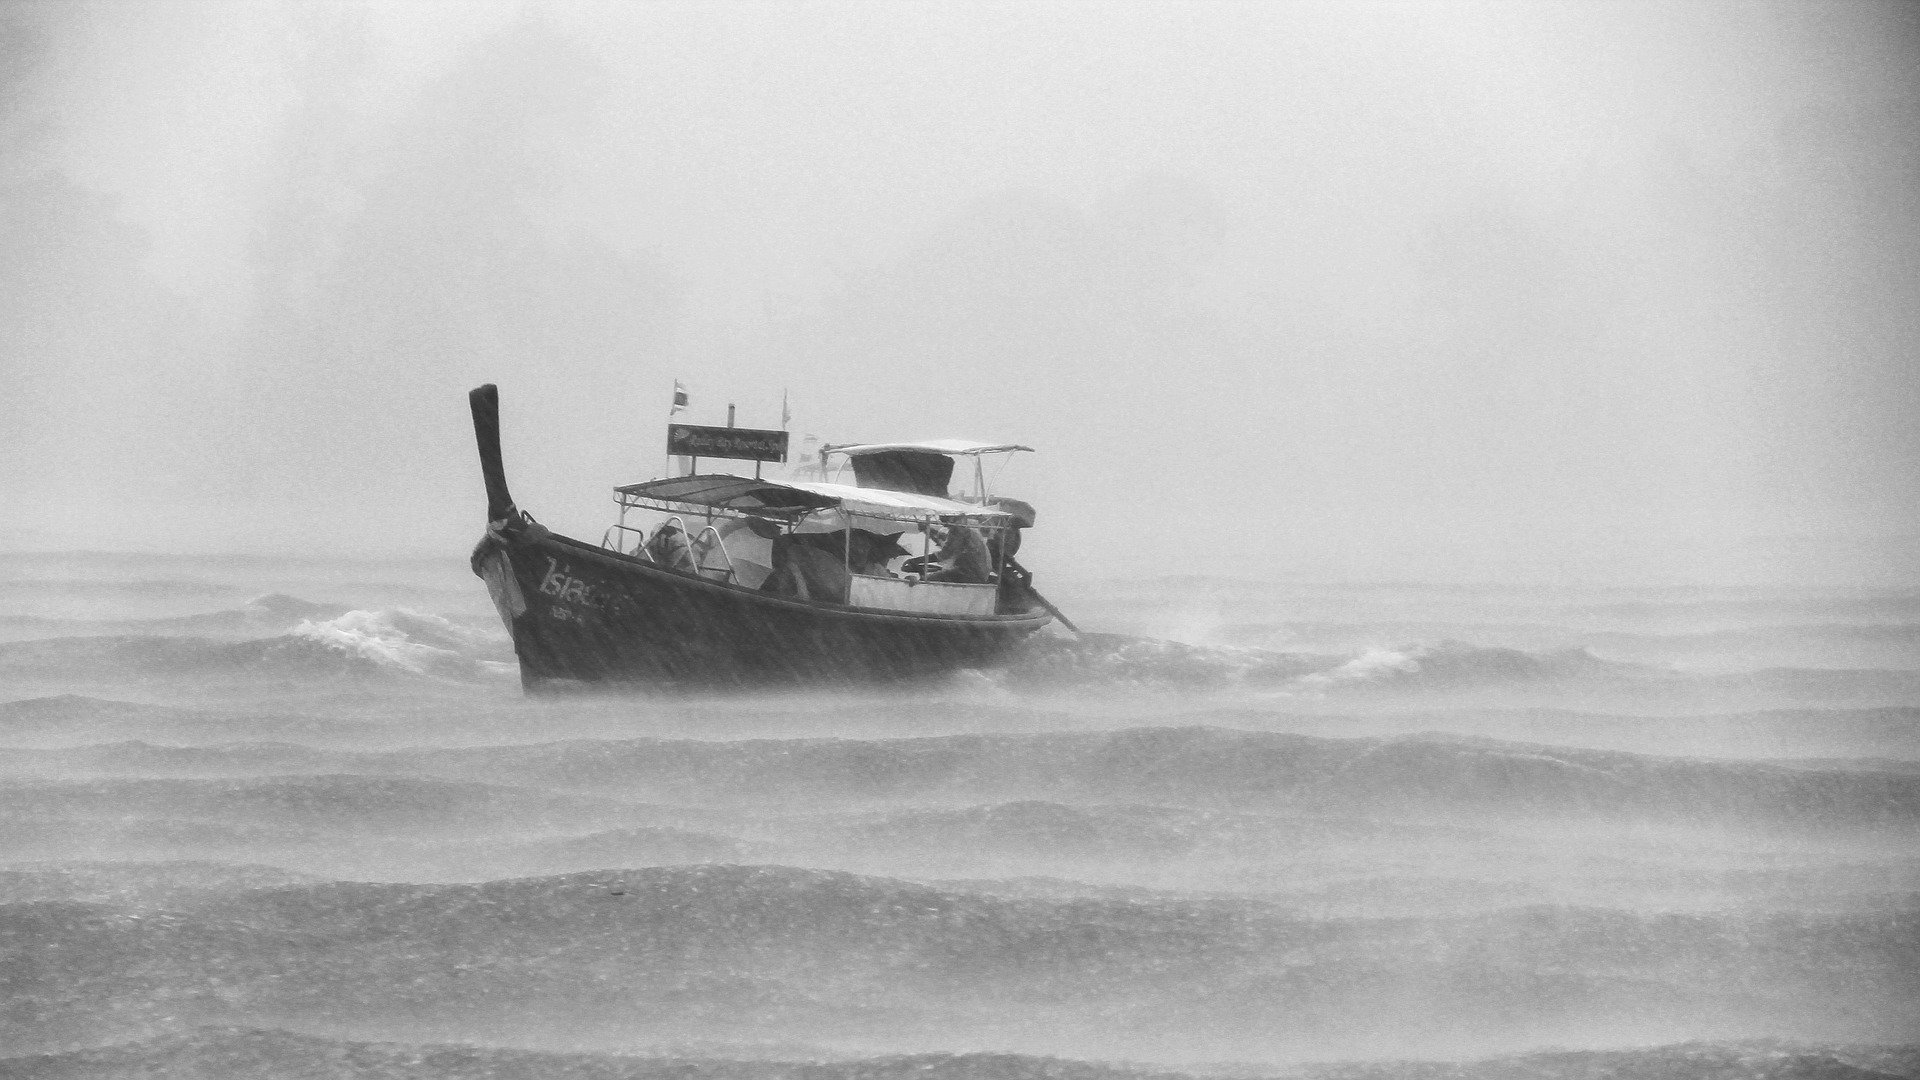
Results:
x,y
387,639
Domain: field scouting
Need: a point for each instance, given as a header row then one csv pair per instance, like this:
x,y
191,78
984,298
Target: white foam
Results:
x,y
1372,664
383,637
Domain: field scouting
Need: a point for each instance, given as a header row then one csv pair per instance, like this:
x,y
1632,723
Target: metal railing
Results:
x,y
698,547
639,543
686,542
726,573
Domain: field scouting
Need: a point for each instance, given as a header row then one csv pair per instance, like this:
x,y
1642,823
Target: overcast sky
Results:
x,y
1615,290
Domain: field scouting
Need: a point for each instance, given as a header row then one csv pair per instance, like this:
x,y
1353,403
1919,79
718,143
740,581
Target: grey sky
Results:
x,y
1426,288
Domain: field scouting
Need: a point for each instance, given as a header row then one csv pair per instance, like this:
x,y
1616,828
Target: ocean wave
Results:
x,y
1033,827
61,709
264,615
636,846
1457,664
774,951
1143,789
138,884
174,588
1424,778
337,803
218,1050
1113,659
1118,659
407,641
396,642
283,606
137,757
145,657
72,721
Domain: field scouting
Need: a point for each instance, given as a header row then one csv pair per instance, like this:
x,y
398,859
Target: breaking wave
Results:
x,y
153,656
1112,658
1447,671
413,642
1109,659
1451,664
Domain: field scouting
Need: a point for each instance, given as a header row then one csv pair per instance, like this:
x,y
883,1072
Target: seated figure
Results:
x,y
670,549
804,570
816,566
872,551
962,556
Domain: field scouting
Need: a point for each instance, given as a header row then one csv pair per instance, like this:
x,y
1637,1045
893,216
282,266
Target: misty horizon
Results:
x,y
1471,625
1462,291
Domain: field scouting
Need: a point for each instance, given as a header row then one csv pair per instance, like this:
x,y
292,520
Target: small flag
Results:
x,y
786,417
679,398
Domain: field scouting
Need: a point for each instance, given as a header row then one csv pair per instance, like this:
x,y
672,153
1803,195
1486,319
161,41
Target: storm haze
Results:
x,y
1481,291
1476,485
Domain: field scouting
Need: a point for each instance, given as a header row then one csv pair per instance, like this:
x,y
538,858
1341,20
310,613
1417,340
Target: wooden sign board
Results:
x,y
732,443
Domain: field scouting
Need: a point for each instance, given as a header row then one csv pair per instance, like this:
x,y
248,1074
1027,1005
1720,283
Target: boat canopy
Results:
x,y
956,447
922,468
789,502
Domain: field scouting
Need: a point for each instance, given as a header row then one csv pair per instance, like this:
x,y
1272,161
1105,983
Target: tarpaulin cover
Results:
x,y
963,447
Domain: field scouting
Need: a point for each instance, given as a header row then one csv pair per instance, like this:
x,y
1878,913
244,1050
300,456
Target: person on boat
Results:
x,y
670,549
805,569
962,556
965,556
922,565
870,552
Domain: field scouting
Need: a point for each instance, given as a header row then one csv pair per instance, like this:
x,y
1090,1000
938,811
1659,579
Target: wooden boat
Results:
x,y
745,580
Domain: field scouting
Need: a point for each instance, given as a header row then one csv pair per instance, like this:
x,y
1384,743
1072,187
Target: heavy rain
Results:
x,y
1466,617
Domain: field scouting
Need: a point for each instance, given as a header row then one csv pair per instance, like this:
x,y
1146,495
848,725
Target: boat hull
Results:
x,y
580,614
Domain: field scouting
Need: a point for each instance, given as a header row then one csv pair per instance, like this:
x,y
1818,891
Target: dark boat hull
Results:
x,y
581,614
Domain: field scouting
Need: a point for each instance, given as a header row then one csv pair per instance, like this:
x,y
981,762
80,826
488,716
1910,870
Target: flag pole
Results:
x,y
676,403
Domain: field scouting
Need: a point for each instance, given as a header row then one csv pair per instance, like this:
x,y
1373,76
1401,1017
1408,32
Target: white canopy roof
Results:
x,y
958,447
792,501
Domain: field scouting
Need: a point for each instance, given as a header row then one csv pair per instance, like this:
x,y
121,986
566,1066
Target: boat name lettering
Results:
x,y
563,586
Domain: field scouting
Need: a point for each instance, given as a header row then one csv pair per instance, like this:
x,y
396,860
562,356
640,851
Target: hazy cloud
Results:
x,y
1453,288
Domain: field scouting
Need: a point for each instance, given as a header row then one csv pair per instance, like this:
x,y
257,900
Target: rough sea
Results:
x,y
286,818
